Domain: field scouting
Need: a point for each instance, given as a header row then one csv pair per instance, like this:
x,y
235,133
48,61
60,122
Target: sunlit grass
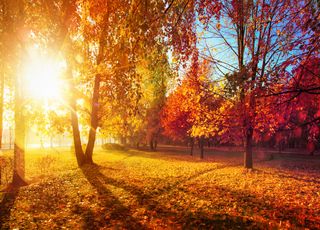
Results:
x,y
138,189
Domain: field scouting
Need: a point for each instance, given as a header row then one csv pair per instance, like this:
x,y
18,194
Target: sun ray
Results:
x,y
42,76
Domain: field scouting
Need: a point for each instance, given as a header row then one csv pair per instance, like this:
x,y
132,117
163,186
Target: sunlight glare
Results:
x,y
42,76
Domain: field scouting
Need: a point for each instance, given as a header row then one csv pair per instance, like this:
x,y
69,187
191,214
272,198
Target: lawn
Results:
x,y
167,189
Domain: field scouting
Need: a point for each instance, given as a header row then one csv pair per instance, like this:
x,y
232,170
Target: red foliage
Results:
x,y
174,120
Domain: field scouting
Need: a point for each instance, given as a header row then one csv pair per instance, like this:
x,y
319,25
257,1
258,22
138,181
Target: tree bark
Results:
x,y
248,163
19,140
192,145
155,144
201,148
75,122
95,95
18,178
151,143
94,120
1,104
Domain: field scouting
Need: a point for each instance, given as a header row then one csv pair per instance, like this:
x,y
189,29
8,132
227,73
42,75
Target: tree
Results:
x,y
15,21
299,100
3,70
195,109
132,33
260,36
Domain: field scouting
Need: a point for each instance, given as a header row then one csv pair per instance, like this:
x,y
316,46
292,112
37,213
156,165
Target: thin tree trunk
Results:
x,y
201,148
192,145
95,96
75,123
1,104
155,144
151,144
94,120
10,137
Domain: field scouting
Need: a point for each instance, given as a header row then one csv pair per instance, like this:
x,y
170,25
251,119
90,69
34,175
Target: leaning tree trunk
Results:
x,y
95,96
75,122
94,120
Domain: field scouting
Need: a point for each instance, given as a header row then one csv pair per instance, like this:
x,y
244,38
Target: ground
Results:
x,y
167,189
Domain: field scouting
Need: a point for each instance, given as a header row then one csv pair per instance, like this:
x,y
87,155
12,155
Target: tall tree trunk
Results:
x,y
249,126
19,140
1,104
94,120
246,109
192,145
151,143
18,178
155,143
74,122
95,95
248,149
201,148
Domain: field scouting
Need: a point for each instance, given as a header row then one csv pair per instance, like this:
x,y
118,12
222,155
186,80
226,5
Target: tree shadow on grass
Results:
x,y
152,200
6,206
284,174
119,215
155,207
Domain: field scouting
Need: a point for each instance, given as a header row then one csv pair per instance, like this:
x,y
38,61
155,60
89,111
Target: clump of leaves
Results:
x,y
6,167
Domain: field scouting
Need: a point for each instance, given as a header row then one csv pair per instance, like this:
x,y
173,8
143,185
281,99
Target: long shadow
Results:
x,y
273,210
119,212
315,181
192,220
283,174
6,206
143,195
149,201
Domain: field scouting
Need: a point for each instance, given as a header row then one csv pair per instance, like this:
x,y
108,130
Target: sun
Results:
x,y
42,76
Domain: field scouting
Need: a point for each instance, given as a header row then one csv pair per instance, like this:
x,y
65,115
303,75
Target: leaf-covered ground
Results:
x,y
164,190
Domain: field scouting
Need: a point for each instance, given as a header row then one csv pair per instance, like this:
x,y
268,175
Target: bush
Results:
x,y
112,146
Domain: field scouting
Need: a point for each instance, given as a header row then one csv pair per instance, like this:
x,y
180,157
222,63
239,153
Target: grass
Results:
x,y
167,189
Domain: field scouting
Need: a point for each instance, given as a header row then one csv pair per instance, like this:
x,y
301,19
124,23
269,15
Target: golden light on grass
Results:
x,y
42,75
